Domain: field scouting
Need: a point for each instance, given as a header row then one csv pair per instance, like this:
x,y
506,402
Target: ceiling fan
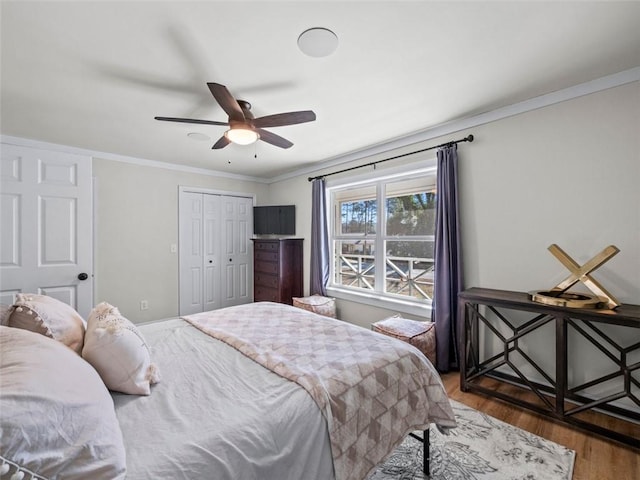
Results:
x,y
244,127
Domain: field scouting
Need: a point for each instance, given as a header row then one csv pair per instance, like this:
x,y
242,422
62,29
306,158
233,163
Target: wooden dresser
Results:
x,y
277,269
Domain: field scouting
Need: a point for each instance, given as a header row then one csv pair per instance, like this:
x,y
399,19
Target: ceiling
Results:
x,y
93,75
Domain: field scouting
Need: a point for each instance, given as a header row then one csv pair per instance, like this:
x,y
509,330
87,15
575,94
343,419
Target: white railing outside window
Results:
x,y
382,232
412,277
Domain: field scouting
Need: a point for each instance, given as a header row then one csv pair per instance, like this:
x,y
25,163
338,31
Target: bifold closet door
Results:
x,y
199,252
237,271
215,251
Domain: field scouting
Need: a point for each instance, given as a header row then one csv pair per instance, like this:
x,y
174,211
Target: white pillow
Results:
x,y
49,317
117,350
57,417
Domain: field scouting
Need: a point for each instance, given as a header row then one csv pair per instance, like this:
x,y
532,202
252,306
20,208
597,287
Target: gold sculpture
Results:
x,y
559,296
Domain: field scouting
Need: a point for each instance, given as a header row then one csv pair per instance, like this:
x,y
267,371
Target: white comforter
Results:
x,y
217,414
372,389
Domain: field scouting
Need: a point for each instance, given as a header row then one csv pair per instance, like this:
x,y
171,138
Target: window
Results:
x,y
382,236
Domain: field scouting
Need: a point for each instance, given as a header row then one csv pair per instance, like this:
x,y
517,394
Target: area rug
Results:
x,y
481,447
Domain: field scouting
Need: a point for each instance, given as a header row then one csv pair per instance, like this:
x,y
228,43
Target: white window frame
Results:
x,y
426,167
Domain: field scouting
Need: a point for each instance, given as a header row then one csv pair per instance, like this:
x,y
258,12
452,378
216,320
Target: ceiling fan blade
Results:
x,y
282,119
226,101
221,143
273,139
190,120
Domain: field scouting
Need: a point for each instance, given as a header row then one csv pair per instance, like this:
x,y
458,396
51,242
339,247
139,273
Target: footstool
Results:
x,y
421,335
318,304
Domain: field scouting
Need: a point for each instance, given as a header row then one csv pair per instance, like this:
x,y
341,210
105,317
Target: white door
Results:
x,y
46,238
199,270
211,254
215,256
237,273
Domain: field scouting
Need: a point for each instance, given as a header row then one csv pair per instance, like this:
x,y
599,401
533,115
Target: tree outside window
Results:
x,y
398,215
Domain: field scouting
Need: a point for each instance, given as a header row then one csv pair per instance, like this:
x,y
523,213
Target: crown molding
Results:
x,y
26,142
587,88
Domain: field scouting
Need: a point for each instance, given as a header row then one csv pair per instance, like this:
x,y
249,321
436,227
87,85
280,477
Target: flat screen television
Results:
x,y
274,220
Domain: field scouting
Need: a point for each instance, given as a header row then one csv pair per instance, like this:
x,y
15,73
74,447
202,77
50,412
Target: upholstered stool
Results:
x,y
318,304
421,335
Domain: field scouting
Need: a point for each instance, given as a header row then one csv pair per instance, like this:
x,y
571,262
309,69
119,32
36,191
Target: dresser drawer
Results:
x,y
265,280
266,267
270,246
264,294
266,255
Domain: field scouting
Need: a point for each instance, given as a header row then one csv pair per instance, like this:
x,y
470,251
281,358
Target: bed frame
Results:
x,y
425,450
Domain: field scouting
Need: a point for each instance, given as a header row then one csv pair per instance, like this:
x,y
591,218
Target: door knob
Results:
x,y
82,276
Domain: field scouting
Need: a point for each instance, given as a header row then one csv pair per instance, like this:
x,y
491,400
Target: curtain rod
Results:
x,y
468,138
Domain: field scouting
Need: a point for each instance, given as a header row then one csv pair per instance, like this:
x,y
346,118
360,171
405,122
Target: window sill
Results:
x,y
395,305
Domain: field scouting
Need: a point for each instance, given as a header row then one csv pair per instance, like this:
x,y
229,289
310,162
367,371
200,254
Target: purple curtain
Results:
x,y
448,281
319,240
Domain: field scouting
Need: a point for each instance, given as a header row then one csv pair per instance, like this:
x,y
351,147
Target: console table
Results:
x,y
499,357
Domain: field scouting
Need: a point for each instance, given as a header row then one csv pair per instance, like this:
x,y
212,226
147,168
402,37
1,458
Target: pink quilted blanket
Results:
x,y
372,389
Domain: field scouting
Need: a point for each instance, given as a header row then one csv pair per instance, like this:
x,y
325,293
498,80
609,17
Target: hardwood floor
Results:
x,y
596,458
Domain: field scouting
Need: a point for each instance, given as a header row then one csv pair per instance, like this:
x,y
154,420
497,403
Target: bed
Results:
x,y
258,391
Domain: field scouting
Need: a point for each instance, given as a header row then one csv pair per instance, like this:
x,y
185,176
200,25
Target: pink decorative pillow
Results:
x,y
117,350
49,317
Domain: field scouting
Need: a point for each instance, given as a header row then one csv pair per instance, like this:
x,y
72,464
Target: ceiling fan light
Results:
x,y
241,136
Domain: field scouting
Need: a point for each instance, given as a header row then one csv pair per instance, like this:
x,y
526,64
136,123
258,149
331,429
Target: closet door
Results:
x,y
211,255
199,253
215,251
237,274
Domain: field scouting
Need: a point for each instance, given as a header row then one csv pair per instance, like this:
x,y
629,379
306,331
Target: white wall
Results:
x,y
136,222
567,174
564,174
